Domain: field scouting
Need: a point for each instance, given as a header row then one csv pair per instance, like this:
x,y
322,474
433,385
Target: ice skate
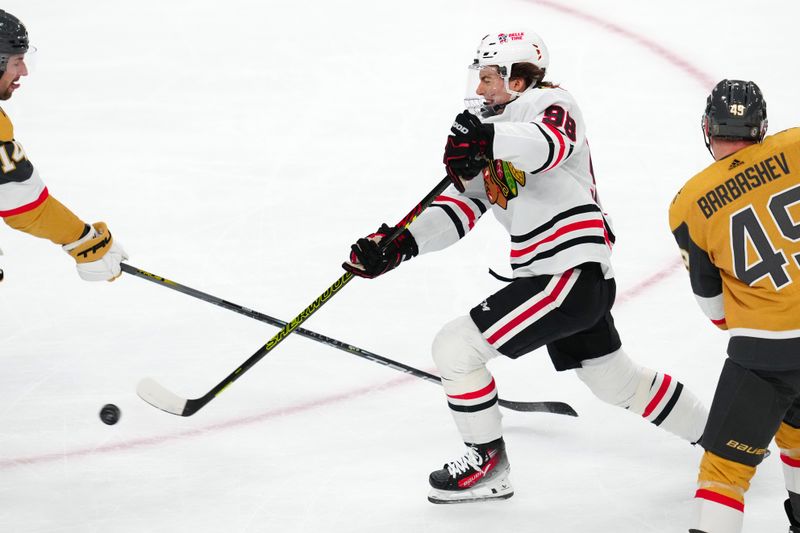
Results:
x,y
480,474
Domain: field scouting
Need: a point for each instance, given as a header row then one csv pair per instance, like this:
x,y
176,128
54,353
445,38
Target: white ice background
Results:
x,y
239,148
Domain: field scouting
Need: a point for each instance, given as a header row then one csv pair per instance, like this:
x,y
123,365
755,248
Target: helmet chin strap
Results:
x,y
516,94
495,109
498,108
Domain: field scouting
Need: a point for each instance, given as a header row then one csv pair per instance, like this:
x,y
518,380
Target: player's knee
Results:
x,y
457,348
614,378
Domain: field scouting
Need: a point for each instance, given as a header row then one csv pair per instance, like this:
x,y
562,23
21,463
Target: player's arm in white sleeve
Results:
x,y
450,217
543,143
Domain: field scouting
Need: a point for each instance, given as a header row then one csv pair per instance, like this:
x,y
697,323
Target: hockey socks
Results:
x,y
788,440
473,403
722,484
657,397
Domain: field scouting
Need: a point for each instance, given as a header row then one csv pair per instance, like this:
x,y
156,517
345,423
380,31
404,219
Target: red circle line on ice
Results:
x,y
674,59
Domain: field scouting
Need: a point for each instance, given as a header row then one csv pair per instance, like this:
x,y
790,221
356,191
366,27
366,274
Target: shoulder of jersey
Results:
x,y
724,168
788,136
6,128
545,96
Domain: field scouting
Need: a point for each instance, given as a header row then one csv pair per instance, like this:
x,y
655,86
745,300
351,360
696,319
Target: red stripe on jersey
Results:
x,y
476,394
716,497
27,207
561,148
546,300
719,322
790,461
461,205
662,390
575,226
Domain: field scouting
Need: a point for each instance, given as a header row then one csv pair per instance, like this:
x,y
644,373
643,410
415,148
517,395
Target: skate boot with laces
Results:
x,y
480,474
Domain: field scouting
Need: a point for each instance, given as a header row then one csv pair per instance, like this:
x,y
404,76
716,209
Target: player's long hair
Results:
x,y
531,74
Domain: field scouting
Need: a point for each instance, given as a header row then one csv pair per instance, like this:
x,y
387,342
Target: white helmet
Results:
x,y
503,50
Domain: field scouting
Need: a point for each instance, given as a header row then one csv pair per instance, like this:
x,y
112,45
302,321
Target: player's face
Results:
x,y
9,81
491,87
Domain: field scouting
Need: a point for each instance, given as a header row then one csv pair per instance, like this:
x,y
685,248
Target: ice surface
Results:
x,y
239,148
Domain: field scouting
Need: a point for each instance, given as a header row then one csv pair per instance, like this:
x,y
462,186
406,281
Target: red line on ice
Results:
x,y
662,51
195,432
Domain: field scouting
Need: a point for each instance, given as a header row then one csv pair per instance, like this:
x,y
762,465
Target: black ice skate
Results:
x,y
481,474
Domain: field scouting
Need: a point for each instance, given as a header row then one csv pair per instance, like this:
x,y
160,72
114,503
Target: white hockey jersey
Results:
x,y
540,187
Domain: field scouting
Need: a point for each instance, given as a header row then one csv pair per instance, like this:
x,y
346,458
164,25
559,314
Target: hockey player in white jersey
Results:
x,y
521,152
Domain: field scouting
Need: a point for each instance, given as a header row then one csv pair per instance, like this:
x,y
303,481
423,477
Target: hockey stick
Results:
x,y
560,408
158,396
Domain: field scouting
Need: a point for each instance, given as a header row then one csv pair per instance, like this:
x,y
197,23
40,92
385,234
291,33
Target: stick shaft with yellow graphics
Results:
x,y
158,396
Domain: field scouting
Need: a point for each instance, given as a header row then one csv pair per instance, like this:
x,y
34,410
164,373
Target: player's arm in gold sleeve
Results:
x,y
97,255
704,276
50,220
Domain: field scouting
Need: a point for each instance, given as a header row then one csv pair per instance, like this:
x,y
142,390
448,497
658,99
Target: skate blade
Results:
x,y
499,491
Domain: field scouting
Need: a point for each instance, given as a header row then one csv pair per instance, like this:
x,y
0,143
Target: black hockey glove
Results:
x,y
468,149
367,260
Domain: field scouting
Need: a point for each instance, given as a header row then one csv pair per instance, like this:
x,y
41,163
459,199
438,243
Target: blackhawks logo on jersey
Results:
x,y
501,180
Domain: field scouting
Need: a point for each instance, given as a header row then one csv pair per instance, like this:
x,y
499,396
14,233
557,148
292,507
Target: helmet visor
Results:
x,y
486,92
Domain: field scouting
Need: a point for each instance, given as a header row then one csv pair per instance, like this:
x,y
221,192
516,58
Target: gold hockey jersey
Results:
x,y
737,224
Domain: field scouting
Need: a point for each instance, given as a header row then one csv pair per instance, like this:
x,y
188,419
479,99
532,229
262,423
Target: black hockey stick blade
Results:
x,y
557,408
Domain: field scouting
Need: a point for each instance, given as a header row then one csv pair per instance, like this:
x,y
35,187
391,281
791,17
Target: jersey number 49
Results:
x,y
748,233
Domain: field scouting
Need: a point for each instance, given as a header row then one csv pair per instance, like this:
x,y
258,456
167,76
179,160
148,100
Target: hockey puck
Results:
x,y
109,414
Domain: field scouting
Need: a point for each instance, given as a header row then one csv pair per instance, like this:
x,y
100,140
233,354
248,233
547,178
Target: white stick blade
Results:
x,y
153,393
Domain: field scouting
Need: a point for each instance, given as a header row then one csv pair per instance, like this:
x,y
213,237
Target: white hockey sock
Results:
x,y
473,404
788,440
791,470
671,406
460,352
657,397
716,513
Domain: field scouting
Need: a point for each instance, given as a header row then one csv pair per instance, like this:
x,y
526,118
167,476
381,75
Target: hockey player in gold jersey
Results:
x,y
25,202
738,227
